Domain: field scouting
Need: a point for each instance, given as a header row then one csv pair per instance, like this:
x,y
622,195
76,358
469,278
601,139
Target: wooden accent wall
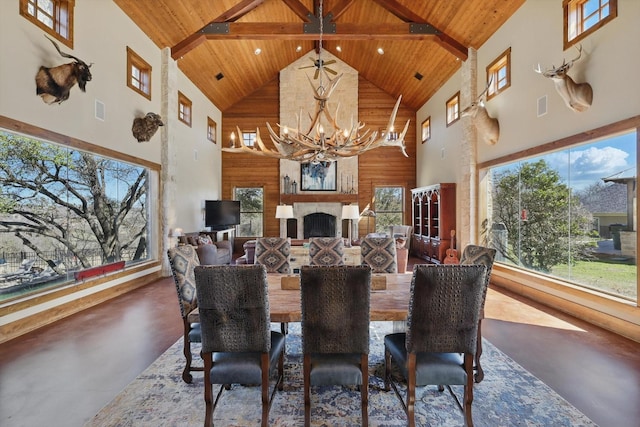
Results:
x,y
379,167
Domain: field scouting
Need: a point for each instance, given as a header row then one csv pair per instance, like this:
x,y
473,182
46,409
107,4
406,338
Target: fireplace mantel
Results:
x,y
290,199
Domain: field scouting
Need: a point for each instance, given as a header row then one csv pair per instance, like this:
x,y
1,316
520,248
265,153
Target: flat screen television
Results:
x,y
221,214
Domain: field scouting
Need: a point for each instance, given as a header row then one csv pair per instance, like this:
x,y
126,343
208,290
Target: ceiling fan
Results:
x,y
320,63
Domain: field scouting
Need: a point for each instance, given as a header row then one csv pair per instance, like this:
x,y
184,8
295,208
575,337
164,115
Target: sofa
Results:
x,y
209,252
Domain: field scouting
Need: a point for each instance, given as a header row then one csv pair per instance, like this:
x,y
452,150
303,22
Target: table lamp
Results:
x,y
350,212
284,212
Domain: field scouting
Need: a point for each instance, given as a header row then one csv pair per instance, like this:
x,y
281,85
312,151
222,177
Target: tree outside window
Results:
x,y
389,207
251,211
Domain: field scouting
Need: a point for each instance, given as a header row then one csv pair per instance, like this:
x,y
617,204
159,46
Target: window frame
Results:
x,y
249,137
426,129
452,109
212,129
243,211
572,7
493,82
185,111
62,18
143,67
381,213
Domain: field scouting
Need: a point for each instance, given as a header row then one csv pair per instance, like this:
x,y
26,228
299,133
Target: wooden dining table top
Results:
x,y
390,304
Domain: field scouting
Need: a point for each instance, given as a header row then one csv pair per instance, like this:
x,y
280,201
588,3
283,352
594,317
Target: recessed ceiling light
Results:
x,y
298,48
258,51
339,48
380,51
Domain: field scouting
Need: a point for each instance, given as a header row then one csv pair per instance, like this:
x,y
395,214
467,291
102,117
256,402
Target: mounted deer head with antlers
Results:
x,y
487,126
577,96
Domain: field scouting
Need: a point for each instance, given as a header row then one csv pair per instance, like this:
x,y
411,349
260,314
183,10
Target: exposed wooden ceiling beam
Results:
x,y
299,9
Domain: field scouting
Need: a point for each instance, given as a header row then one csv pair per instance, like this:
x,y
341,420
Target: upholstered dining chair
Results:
x,y
439,344
273,253
183,260
238,346
326,251
380,254
335,329
474,254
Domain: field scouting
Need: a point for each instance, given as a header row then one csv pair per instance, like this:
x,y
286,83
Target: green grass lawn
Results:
x,y
616,277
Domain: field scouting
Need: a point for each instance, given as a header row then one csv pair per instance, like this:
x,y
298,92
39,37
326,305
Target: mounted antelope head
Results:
x,y
54,84
577,96
487,126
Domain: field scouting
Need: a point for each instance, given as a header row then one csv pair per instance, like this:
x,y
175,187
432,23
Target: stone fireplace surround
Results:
x,y
300,210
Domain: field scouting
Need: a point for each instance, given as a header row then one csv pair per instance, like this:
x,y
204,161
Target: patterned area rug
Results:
x,y
508,396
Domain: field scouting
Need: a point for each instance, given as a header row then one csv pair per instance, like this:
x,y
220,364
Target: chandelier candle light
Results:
x,y
318,144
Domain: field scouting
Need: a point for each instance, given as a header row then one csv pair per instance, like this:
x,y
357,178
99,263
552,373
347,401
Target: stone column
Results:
x,y
169,107
467,182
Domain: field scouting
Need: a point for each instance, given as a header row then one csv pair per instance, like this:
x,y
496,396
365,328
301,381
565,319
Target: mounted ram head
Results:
x,y
577,96
487,126
53,84
145,127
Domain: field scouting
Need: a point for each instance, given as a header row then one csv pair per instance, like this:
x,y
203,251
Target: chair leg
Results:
x,y
208,398
364,389
281,369
411,389
186,373
479,375
468,390
284,328
387,369
307,389
265,389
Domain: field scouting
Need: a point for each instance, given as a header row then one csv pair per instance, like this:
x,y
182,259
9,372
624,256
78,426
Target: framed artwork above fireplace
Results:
x,y
318,177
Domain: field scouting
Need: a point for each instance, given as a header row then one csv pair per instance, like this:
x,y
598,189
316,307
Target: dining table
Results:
x,y
390,304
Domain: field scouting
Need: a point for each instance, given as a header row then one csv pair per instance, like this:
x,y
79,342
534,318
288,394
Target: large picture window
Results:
x,y
251,211
64,210
570,214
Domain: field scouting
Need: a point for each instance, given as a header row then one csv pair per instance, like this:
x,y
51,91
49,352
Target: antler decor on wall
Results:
x,y
577,96
53,84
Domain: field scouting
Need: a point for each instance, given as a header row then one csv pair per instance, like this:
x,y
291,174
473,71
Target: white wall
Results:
x,y
102,33
609,62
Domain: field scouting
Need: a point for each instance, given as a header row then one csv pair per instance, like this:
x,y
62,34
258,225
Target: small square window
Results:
x,y
249,138
138,74
499,74
184,109
211,130
53,16
453,109
426,129
583,17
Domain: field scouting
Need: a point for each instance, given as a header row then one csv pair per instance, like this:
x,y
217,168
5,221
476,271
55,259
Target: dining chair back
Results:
x,y
379,253
335,329
238,346
326,251
474,254
183,260
440,341
273,253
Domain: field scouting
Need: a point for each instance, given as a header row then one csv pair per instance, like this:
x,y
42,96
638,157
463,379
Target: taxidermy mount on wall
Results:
x,y
576,96
488,127
145,127
53,84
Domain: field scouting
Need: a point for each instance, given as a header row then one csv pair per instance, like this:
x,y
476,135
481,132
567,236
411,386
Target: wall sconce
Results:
x,y
350,212
284,212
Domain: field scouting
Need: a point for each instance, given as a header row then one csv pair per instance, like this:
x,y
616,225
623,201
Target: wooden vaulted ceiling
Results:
x,y
210,38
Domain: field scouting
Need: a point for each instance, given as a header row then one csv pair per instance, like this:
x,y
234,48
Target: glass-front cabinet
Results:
x,y
434,217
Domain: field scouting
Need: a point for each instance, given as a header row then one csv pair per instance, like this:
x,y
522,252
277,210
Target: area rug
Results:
x,y
508,396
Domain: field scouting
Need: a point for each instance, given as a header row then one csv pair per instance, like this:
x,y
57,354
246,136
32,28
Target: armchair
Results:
x,y
209,252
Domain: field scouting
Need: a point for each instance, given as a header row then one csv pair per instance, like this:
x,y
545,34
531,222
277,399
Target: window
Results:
x,y
426,130
249,138
251,211
566,214
389,207
138,74
184,109
583,17
453,109
499,74
53,16
211,130
88,210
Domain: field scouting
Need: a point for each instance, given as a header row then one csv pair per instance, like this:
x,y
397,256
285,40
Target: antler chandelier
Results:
x,y
318,144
